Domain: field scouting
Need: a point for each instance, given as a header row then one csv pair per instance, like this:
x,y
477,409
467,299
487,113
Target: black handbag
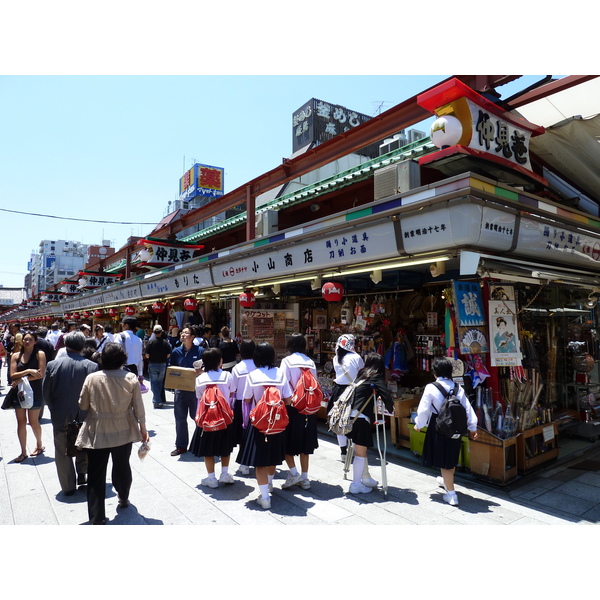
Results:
x,y
11,400
72,432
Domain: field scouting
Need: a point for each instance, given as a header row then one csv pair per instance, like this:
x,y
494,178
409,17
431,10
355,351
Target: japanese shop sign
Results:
x,y
319,121
130,292
51,297
494,135
467,223
96,280
174,284
70,288
558,244
485,127
347,247
202,180
161,253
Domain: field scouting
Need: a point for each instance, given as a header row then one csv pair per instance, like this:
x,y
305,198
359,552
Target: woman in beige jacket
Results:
x,y
115,419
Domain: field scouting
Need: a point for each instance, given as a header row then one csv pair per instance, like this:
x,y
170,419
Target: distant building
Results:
x,y
56,260
10,298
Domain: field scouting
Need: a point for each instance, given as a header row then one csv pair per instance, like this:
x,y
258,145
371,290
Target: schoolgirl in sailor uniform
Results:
x,y
373,386
241,425
301,432
208,444
265,454
439,451
346,364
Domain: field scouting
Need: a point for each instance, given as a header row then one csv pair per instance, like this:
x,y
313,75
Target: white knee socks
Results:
x,y
358,466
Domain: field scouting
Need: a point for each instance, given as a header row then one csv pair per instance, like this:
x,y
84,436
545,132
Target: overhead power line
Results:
x,y
18,212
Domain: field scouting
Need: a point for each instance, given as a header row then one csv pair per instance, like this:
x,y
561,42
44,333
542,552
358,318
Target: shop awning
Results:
x,y
486,265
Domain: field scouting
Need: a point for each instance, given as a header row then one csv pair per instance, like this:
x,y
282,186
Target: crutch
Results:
x,y
349,457
378,409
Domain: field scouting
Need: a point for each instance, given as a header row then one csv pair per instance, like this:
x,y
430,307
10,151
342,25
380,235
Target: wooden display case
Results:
x,y
537,446
493,458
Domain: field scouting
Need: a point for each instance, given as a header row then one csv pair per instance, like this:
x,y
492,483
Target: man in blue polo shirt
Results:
x,y
185,402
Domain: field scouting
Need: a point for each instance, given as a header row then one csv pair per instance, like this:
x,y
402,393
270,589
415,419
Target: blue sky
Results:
x,y
112,148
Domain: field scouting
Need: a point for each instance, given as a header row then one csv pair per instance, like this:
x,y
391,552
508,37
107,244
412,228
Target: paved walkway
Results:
x,y
166,490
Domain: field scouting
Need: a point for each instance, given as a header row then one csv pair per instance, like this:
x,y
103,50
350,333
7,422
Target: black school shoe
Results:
x,y
178,451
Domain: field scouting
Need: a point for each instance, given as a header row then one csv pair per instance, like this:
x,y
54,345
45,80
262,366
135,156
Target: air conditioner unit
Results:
x,y
397,179
415,135
393,143
266,223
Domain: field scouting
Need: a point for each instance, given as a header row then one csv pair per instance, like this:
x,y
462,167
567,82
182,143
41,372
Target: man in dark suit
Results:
x,y
62,385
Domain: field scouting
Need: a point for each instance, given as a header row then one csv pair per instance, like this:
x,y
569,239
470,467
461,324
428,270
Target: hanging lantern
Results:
x,y
97,313
76,316
86,315
113,312
129,311
158,307
332,292
190,304
67,316
247,299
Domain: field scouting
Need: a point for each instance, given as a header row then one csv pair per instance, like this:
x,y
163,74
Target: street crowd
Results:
x,y
92,383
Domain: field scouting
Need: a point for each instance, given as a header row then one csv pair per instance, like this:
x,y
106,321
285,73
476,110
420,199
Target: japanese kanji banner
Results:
x,y
468,303
162,253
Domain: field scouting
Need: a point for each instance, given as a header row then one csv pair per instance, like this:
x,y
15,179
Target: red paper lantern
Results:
x,y
113,312
332,292
98,313
76,316
190,304
129,311
158,307
247,299
67,316
86,315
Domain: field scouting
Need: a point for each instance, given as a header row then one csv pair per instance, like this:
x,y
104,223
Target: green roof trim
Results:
x,y
359,214
503,193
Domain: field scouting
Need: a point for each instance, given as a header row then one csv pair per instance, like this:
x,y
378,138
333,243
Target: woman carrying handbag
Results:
x,y
30,364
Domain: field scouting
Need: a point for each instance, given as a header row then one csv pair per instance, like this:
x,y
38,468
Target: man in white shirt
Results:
x,y
133,346
53,334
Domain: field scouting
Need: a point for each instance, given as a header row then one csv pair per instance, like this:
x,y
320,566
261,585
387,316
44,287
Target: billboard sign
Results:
x,y
205,181
318,121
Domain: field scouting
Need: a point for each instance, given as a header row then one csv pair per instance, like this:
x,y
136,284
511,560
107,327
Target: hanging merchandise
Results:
x,y
450,330
346,316
396,358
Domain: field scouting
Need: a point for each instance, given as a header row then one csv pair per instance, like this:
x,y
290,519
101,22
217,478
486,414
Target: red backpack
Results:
x,y
214,412
270,415
308,394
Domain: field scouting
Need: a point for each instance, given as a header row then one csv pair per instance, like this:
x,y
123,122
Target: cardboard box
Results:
x,y
180,378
